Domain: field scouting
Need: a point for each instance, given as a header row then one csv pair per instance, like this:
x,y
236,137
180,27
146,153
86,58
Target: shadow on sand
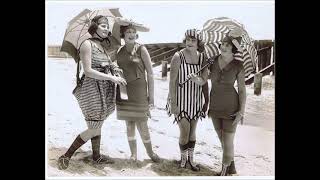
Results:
x,y
82,163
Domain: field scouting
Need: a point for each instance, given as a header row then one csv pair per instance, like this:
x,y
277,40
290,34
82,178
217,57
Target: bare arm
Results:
x,y
85,56
174,69
242,91
205,91
147,64
204,75
202,78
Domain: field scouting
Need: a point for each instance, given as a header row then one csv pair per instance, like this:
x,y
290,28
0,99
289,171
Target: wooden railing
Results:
x,y
164,52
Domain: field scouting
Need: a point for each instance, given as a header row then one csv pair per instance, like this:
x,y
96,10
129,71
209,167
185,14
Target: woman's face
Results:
x,y
226,47
191,43
130,36
103,30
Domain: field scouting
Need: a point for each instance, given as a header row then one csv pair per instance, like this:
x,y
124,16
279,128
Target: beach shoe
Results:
x,y
182,167
183,159
179,166
133,158
155,158
182,163
103,160
63,162
224,170
194,167
177,161
232,169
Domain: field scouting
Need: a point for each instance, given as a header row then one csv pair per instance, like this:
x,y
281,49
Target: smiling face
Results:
x,y
191,43
103,30
226,47
130,36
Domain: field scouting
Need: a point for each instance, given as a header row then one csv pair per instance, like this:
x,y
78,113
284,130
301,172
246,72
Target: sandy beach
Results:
x,y
254,141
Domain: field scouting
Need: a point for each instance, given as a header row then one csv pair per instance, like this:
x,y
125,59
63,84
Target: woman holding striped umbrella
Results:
x,y
134,60
187,102
96,91
226,104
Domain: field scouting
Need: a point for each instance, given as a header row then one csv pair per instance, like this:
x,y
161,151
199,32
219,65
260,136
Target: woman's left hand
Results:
x,y
151,103
238,118
193,77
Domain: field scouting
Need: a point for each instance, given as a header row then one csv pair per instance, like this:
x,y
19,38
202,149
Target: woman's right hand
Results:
x,y
118,80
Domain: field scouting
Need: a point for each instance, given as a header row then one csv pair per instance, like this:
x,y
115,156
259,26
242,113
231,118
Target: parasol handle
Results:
x,y
236,43
210,61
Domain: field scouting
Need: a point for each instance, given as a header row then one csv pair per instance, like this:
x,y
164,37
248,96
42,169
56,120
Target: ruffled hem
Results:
x,y
199,115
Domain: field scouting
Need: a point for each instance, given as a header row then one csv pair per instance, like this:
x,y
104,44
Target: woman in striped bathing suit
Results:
x,y
135,62
96,93
187,103
226,104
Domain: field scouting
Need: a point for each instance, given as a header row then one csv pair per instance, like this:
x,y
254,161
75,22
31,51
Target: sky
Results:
x,y
167,20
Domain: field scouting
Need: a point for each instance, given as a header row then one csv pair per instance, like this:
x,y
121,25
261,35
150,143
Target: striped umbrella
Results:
x,y
77,30
214,30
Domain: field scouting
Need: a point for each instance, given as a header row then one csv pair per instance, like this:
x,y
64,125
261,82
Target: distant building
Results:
x,y
54,51
158,52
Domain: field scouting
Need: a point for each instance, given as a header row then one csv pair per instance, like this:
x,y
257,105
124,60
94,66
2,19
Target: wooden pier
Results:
x,y
164,51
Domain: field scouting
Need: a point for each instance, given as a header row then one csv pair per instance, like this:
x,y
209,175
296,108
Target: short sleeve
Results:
x,y
240,67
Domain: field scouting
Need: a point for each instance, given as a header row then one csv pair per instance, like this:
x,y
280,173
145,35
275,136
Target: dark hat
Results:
x,y
229,39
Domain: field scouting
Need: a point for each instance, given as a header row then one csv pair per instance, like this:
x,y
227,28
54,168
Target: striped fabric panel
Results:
x,y
94,124
127,110
99,56
135,107
189,96
96,98
89,101
127,114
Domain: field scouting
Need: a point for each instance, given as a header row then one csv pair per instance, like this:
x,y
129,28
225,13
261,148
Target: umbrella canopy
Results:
x,y
77,30
214,31
137,26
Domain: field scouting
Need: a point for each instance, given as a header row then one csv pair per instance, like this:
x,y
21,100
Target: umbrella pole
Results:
x,y
210,61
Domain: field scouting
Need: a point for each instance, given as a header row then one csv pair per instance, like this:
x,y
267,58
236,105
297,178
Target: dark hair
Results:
x,y
234,48
229,41
124,28
94,24
200,44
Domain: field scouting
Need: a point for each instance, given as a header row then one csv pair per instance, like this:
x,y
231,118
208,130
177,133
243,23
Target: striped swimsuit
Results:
x,y
96,98
189,97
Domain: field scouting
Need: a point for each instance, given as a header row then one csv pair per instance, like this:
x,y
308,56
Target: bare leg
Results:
x,y
131,134
193,127
228,150
218,126
184,127
217,123
145,136
192,142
